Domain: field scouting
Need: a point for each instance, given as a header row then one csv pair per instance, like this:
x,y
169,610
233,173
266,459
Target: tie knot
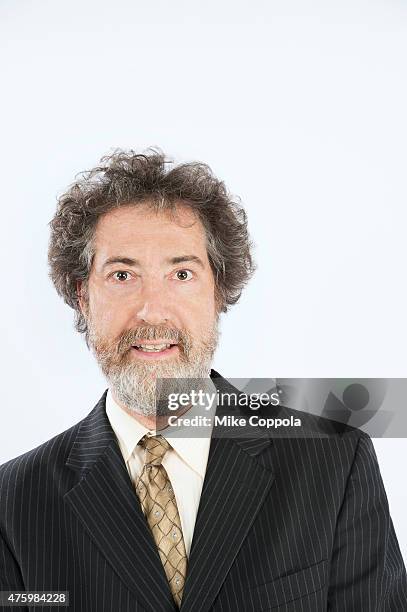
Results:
x,y
155,448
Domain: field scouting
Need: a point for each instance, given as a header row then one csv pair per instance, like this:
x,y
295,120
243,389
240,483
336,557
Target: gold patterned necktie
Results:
x,y
160,509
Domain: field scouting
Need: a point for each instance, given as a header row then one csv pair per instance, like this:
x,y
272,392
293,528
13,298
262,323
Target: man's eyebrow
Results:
x,y
129,261
186,258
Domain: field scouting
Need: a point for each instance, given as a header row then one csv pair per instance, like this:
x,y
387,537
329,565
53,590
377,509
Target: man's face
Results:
x,y
150,303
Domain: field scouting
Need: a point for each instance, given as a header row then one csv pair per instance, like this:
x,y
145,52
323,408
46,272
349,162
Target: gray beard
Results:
x,y
147,395
143,387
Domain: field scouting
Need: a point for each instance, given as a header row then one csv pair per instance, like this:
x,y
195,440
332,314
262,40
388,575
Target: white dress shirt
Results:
x,y
185,463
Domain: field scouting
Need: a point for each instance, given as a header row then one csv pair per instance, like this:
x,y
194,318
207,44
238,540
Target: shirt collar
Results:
x,y
192,450
127,429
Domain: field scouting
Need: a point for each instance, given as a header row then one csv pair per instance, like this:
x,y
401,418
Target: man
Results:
x,y
123,515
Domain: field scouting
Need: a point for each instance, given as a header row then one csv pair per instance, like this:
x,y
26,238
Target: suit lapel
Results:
x,y
108,508
234,489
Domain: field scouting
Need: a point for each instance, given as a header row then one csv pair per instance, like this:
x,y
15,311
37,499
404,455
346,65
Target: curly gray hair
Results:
x,y
127,178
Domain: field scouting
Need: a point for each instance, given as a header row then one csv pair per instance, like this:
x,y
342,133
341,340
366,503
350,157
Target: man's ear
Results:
x,y
219,303
81,299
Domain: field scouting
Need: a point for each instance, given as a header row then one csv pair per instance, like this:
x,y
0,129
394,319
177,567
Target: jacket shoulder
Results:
x,y
48,456
316,424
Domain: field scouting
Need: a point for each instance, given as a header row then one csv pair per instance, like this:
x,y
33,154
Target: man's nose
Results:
x,y
153,307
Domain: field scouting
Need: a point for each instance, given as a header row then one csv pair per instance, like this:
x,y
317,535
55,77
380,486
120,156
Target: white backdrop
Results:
x,y
299,107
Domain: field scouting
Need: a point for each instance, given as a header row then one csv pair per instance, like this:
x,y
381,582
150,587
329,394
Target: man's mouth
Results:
x,y
155,348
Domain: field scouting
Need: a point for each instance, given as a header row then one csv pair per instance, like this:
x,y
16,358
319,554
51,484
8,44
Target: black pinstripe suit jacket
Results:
x,y
283,524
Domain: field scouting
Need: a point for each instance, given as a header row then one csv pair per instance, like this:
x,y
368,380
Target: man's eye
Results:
x,y
121,275
184,275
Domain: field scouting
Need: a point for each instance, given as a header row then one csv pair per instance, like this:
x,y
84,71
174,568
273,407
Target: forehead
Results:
x,y
139,225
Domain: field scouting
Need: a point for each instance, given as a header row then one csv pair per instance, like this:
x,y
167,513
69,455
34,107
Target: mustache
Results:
x,y
152,332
